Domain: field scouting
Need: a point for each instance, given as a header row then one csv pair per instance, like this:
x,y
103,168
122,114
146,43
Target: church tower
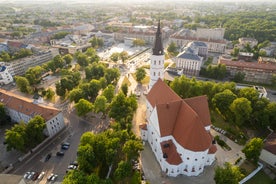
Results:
x,y
157,59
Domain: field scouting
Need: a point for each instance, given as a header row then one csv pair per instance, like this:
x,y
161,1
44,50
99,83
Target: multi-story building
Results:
x,y
178,131
189,60
254,72
23,109
5,76
213,42
250,41
20,66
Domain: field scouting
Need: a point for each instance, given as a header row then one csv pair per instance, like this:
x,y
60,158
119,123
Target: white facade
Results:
x,y
268,157
156,69
5,76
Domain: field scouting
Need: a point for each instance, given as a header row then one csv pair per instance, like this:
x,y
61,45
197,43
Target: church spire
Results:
x,y
158,46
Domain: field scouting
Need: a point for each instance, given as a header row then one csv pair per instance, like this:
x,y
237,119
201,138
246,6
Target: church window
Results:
x,y
195,159
188,158
153,73
154,62
202,157
159,62
158,73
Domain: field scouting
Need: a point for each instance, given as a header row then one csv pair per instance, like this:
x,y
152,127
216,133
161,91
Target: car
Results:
x,y
48,157
72,167
41,175
75,163
66,144
54,177
30,175
60,153
35,176
26,175
50,177
64,147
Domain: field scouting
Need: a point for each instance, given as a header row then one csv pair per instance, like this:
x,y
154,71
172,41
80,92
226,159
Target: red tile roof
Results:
x,y
270,143
25,106
161,94
200,106
170,150
185,119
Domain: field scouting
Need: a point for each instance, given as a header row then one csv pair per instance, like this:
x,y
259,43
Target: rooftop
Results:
x,y
270,143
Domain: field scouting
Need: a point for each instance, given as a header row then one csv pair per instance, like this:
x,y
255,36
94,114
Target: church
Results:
x,y
177,130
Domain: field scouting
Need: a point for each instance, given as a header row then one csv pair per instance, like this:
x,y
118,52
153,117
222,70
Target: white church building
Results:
x,y
177,130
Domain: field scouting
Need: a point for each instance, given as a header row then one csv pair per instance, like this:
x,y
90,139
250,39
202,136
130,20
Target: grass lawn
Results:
x,y
126,81
260,178
248,167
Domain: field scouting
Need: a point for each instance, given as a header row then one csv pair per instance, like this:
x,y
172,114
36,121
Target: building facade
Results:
x,y
215,43
189,60
5,76
178,131
157,59
254,72
268,153
20,66
22,109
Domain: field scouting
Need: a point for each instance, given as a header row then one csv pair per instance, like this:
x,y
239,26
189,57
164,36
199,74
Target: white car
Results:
x,y
54,177
50,176
26,175
30,175
41,175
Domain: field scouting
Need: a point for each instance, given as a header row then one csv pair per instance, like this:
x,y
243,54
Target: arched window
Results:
x,y
154,62
153,73
158,73
159,62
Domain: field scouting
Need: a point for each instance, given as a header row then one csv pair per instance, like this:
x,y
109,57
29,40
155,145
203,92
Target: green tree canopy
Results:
x,y
100,105
228,174
115,56
96,42
3,115
139,42
140,74
15,137
68,59
108,92
241,108
33,74
23,84
83,107
252,149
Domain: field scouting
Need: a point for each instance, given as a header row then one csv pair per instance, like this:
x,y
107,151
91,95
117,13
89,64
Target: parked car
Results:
x,y
26,175
30,175
54,177
41,175
60,153
48,157
66,144
35,176
50,177
64,147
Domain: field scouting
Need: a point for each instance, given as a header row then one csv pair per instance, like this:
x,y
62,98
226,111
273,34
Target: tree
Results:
x,y
172,48
123,170
124,88
100,105
108,92
83,107
239,77
140,74
95,71
271,110
115,56
222,102
58,62
50,94
82,60
23,84
124,56
5,56
96,42
15,137
139,42
112,75
75,95
235,52
252,149
86,158
94,88
60,35
34,130
33,74
3,115
132,148
273,80
241,108
68,59
228,174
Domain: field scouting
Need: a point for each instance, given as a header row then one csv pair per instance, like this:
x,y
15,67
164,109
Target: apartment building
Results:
x,y
24,109
254,72
20,66
215,43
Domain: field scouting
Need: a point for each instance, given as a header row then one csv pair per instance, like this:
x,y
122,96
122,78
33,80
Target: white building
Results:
x,y
189,60
268,153
20,66
5,76
22,109
178,131
157,59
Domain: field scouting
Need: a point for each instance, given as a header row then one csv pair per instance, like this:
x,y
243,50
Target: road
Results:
x,y
58,165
